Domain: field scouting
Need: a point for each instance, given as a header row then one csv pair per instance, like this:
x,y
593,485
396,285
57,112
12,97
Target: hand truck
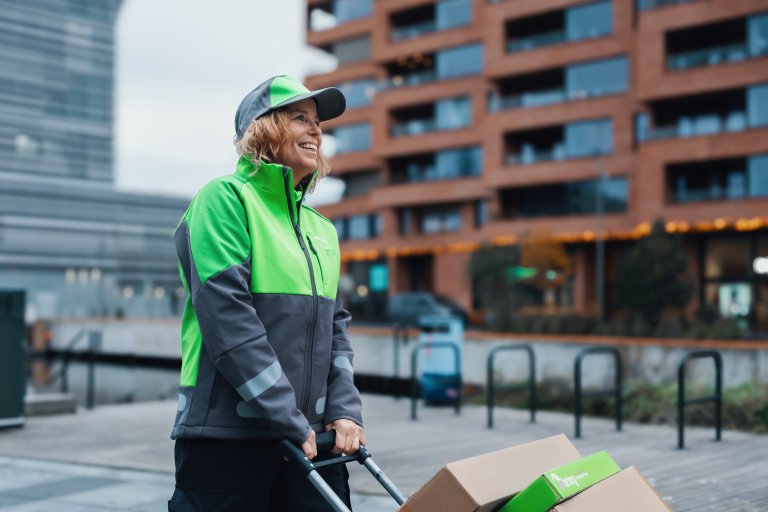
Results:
x,y
325,442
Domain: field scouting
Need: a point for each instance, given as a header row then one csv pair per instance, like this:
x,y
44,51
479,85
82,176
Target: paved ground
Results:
x,y
120,458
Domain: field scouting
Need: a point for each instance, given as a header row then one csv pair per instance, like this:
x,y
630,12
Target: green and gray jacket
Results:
x,y
265,352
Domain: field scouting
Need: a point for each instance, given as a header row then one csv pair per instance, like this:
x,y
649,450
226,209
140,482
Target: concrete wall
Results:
x,y
374,349
555,361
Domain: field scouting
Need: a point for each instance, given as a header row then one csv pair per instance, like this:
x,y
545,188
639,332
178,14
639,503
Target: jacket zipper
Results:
x,y
310,341
317,258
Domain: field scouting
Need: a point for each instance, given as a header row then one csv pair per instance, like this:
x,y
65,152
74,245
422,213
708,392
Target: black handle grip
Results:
x,y
325,441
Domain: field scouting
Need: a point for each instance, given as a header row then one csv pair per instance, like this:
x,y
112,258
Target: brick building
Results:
x,y
475,122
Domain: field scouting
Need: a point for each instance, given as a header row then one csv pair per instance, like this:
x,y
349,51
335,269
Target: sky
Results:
x,y
182,67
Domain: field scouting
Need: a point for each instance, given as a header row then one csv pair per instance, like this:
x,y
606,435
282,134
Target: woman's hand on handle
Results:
x,y
349,436
309,446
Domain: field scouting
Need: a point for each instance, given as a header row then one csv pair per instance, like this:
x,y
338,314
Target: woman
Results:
x,y
265,354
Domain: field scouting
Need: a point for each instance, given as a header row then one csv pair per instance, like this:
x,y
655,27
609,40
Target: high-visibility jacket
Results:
x,y
265,352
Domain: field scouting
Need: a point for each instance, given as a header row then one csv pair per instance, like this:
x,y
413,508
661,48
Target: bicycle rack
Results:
x,y
717,397
616,391
415,380
491,388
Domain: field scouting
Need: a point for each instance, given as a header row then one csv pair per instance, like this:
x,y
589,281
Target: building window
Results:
x,y
341,228
714,180
351,138
758,176
460,61
589,138
596,78
481,213
757,105
757,34
363,227
575,198
348,10
352,50
405,219
443,165
589,21
358,92
358,184
453,13
440,220
445,114
453,113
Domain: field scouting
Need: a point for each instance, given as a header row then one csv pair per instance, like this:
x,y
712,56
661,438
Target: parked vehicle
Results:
x,y
406,308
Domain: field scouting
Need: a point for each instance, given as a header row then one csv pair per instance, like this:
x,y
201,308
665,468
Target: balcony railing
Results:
x,y
712,56
712,124
645,5
414,78
529,155
536,41
414,127
497,102
411,31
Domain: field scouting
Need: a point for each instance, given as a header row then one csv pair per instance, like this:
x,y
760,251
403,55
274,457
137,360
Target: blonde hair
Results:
x,y
265,136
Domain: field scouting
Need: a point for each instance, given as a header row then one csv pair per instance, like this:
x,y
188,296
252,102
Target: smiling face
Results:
x,y
302,146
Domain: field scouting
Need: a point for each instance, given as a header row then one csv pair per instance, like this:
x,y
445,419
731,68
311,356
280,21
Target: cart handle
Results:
x,y
325,442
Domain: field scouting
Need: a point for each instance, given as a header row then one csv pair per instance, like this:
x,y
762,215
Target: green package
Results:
x,y
561,483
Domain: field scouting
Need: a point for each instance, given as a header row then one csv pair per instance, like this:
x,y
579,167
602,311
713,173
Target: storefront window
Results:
x,y
727,258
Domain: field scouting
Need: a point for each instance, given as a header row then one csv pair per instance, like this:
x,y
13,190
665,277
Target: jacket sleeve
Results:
x,y
343,397
214,249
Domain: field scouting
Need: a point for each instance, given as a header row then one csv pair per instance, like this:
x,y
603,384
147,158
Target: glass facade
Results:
x,y
445,114
589,21
440,220
757,35
589,138
757,168
596,78
460,61
453,13
442,165
757,105
358,227
352,137
575,198
352,50
453,113
56,89
74,243
575,82
359,92
348,10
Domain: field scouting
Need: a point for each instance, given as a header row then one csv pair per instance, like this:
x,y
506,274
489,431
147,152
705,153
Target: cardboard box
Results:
x,y
627,491
559,484
483,483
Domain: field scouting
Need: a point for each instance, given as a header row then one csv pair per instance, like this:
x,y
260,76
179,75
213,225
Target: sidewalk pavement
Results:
x,y
119,457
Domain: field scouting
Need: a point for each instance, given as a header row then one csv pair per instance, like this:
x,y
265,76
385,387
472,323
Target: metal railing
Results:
x,y
531,384
415,380
616,391
717,398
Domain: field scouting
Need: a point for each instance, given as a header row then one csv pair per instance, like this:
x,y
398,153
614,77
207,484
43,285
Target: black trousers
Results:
x,y
246,475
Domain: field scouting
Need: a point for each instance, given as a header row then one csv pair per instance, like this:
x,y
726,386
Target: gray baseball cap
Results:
x,y
282,90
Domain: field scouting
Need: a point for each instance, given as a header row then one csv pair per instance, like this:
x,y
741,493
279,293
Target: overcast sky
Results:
x,y
182,67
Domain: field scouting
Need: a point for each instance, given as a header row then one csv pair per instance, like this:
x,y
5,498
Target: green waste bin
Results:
x,y
12,358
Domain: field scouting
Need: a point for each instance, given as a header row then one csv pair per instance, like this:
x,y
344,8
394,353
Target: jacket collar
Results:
x,y
274,178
